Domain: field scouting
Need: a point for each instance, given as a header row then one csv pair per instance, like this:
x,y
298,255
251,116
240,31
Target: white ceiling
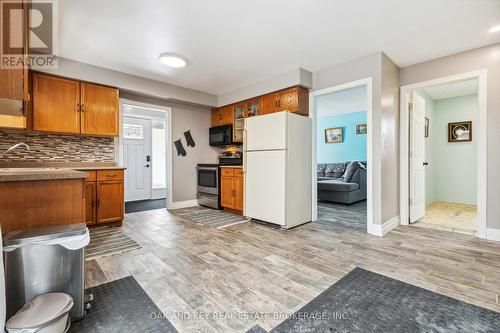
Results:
x,y
345,101
456,89
233,43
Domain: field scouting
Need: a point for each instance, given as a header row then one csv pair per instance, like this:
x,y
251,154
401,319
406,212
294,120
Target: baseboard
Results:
x,y
493,234
382,229
184,204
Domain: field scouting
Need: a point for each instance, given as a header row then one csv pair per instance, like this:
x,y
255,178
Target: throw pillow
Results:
x,y
321,167
350,171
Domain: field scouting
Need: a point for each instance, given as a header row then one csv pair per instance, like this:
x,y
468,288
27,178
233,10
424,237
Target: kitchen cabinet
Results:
x,y
56,106
268,103
14,92
99,110
239,121
68,106
232,189
104,197
294,99
222,116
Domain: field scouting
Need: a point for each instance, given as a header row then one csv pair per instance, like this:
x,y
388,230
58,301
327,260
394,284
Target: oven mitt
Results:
x,y
189,139
180,148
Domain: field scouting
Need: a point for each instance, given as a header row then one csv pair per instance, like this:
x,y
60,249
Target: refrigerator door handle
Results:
x,y
245,150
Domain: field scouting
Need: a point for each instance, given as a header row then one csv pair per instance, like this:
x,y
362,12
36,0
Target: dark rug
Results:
x,y
143,205
108,241
122,306
363,301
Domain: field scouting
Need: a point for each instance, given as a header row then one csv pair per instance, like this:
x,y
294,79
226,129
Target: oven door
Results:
x,y
208,180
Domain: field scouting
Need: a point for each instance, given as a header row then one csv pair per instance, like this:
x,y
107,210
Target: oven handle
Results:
x,y
208,168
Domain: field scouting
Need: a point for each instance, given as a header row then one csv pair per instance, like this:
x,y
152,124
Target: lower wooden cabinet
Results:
x,y
232,188
104,197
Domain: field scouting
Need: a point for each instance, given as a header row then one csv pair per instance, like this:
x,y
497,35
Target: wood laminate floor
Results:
x,y
228,280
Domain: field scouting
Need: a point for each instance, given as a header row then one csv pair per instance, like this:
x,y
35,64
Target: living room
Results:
x,y
341,133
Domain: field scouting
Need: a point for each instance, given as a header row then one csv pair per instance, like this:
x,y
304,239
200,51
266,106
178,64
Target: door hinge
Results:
x,y
411,201
410,106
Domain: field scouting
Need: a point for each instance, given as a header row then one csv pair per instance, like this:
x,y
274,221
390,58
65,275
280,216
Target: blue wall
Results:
x,y
354,146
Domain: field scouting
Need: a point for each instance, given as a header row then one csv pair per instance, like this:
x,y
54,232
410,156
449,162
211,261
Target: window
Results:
x,y
159,151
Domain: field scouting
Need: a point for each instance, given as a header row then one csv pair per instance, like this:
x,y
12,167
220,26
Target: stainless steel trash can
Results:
x,y
45,260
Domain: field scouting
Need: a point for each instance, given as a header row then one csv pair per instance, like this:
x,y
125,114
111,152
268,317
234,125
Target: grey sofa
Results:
x,y
332,188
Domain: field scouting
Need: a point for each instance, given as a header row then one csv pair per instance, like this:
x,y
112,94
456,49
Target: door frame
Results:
x,y
168,137
373,208
479,133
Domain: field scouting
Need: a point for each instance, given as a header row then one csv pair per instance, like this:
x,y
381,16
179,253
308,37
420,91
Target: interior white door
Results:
x,y
265,181
417,158
137,158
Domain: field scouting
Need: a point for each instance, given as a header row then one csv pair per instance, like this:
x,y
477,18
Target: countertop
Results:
x,y
29,171
232,166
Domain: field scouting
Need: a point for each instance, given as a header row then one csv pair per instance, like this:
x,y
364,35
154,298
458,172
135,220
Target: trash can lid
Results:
x,y
41,311
21,237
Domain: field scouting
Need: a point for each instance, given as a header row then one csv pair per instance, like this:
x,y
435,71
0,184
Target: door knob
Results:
x,y
425,163
147,165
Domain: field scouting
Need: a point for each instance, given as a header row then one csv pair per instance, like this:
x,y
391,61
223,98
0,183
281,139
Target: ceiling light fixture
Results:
x,y
172,60
495,28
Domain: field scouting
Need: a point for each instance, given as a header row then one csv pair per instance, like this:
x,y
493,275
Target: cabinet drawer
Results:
x,y
109,175
91,175
238,172
228,172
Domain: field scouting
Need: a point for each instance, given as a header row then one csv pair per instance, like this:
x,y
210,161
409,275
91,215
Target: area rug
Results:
x,y
144,205
108,241
122,306
363,301
210,217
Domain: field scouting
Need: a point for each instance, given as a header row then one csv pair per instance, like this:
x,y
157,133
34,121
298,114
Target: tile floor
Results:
x,y
450,217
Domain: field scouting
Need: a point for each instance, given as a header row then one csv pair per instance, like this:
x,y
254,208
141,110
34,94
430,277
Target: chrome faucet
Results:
x,y
17,145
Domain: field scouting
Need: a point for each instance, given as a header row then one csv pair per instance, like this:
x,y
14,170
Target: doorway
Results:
x,y
360,203
146,155
443,154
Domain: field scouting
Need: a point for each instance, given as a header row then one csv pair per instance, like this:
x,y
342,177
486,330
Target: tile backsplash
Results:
x,y
56,148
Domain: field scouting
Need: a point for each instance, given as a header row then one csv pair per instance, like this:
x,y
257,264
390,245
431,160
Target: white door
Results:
x,y
266,132
417,158
265,176
137,158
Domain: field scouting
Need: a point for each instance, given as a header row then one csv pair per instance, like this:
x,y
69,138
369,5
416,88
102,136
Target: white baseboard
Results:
x,y
493,234
184,204
382,229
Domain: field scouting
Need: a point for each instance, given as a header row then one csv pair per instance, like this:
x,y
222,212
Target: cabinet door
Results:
x,y
268,103
99,110
216,118
56,104
227,115
288,100
238,188
110,201
226,192
239,113
90,193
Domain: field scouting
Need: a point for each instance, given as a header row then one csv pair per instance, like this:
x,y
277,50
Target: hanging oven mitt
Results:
x,y
180,148
189,139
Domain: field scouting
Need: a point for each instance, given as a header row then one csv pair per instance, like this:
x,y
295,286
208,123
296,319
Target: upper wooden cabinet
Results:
x,y
56,104
69,106
222,116
99,110
14,93
295,100
268,103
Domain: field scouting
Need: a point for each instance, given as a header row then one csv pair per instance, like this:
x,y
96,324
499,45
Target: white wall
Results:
x,y
455,163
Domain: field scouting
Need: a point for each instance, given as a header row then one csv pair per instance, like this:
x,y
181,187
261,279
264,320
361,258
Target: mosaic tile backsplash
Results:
x,y
56,148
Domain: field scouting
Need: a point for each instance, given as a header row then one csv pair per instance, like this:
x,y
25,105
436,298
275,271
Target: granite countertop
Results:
x,y
29,174
28,171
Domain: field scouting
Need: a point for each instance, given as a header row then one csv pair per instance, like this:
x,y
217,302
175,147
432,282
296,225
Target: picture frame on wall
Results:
x,y
460,131
334,135
361,129
426,127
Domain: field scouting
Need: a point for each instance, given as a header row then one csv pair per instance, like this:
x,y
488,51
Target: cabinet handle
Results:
x,y
83,107
77,107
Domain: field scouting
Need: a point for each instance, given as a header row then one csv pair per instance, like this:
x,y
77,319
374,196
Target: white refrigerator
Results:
x,y
278,168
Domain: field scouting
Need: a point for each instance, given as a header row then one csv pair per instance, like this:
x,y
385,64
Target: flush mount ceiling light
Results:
x,y
495,28
172,60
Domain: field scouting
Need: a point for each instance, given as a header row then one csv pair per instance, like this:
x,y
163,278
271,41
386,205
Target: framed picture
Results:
x,y
460,132
361,129
426,127
334,135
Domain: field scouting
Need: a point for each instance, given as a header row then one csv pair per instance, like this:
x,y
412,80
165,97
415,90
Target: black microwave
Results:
x,y
221,135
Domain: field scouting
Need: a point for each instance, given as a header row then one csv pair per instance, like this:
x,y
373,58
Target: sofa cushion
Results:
x,y
335,170
320,169
337,185
350,171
